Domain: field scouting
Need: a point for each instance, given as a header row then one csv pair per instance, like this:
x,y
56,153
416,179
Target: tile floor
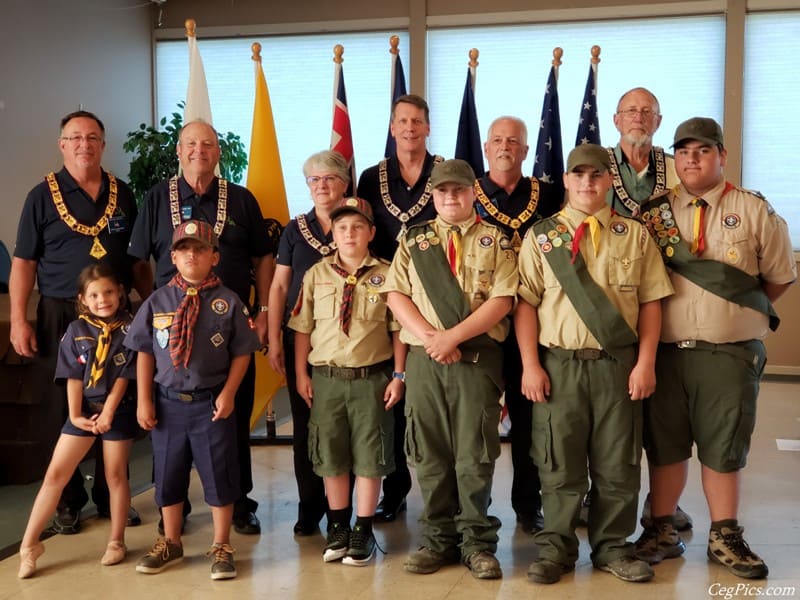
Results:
x,y
278,565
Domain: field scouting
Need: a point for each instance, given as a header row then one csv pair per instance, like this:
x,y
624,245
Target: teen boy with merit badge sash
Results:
x,y
451,285
76,217
590,288
399,190
513,203
358,368
730,257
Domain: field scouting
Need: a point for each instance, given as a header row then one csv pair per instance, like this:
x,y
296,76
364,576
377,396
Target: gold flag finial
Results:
x,y
191,27
557,54
338,50
256,49
595,54
473,58
394,42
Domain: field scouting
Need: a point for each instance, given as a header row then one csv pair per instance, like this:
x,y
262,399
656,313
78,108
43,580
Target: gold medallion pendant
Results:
x,y
516,241
97,251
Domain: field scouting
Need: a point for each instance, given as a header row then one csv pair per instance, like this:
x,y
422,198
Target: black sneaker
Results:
x,y
247,524
164,554
223,566
67,521
727,547
338,542
361,549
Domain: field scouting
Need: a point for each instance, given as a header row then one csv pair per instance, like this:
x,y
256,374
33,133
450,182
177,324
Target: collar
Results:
x,y
576,217
369,260
67,183
712,196
490,188
187,191
464,226
393,168
621,158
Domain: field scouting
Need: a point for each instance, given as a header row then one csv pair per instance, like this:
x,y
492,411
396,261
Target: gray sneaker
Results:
x,y
222,566
628,568
683,522
659,542
484,565
338,542
727,547
425,561
165,553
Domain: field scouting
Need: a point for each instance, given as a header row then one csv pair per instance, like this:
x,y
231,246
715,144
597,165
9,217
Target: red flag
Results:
x,y
341,134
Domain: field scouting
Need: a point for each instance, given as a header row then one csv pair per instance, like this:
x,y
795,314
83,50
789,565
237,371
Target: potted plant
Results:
x,y
154,157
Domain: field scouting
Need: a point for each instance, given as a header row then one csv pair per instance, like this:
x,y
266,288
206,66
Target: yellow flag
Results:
x,y
265,181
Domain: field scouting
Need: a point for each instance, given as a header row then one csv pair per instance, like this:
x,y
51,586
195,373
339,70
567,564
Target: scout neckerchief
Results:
x,y
513,222
181,334
222,205
446,296
719,278
593,225
346,309
324,249
619,189
103,345
97,251
590,301
403,216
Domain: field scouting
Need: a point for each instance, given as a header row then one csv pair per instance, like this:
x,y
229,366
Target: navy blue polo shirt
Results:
x,y
243,237
515,203
297,254
60,253
221,333
77,351
386,224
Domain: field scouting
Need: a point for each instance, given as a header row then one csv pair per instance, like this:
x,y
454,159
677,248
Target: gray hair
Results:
x,y
327,160
517,120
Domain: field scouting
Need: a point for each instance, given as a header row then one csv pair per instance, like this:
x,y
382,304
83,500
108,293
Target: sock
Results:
x,y
364,522
729,523
340,515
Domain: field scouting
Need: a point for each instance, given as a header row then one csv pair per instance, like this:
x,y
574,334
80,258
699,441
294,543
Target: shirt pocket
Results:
x,y
737,249
370,305
324,302
625,273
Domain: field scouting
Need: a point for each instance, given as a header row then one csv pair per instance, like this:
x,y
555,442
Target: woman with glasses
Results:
x,y
306,239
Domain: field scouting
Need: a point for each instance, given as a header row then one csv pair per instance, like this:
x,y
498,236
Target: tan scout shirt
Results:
x,y
743,231
489,270
628,267
317,313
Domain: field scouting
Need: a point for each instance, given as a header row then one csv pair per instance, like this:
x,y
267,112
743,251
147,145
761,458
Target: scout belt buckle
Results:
x,y
686,344
184,397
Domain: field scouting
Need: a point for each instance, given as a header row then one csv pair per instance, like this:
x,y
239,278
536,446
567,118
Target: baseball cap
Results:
x,y
702,129
588,154
195,230
452,171
353,205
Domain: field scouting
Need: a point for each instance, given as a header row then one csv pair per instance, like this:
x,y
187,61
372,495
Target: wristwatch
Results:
x,y
401,375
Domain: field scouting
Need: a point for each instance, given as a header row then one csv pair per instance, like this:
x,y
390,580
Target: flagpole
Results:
x,y
344,131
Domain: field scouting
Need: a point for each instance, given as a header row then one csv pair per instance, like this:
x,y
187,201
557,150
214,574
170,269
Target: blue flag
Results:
x,y
589,125
398,89
468,138
548,165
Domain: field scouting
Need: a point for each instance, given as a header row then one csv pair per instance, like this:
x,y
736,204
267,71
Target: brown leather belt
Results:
x,y
580,354
351,373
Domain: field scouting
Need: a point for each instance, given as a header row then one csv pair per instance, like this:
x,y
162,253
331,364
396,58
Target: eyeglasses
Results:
x,y
327,179
79,139
645,113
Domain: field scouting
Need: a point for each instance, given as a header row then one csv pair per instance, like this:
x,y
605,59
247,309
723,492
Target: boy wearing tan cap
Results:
x,y
343,329
590,288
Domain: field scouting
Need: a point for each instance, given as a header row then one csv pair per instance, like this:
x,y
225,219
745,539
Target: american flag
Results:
x,y
341,134
468,138
548,165
398,89
589,125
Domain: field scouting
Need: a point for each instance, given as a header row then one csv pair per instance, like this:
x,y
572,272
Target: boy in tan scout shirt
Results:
x,y
452,283
590,289
346,333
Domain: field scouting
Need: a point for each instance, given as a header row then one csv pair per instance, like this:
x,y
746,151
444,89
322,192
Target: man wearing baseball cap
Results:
x,y
451,285
591,282
730,258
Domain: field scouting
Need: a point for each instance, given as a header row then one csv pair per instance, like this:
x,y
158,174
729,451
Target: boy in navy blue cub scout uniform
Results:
x,y
194,339
451,285
345,332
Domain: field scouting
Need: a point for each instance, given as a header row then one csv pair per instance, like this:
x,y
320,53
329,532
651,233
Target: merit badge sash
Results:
x,y
447,297
719,278
591,303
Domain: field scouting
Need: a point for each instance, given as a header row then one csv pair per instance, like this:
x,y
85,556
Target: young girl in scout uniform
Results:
x,y
96,367
194,338
342,328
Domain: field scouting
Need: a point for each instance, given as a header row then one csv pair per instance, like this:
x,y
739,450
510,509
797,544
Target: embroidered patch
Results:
x,y
377,280
670,251
731,220
191,228
119,359
430,234
552,234
162,321
557,242
664,206
561,228
435,241
162,337
546,247
424,244
219,306
486,241
619,228
732,255
567,237
217,339
420,238
669,223
666,214
505,243
674,239
82,358
541,238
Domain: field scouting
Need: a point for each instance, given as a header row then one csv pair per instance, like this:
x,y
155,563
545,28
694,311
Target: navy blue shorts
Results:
x,y
186,434
123,427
